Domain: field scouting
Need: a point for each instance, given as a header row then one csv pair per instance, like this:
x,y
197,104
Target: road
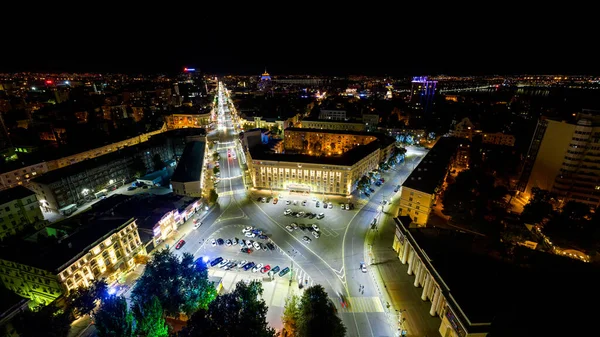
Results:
x,y
331,260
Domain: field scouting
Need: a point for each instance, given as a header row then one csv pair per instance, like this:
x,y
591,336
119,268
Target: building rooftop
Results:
x,y
348,158
430,172
482,277
18,192
311,119
191,162
51,255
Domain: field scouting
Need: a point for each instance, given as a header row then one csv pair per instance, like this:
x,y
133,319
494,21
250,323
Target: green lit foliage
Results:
x,y
47,321
239,313
83,300
150,319
291,313
114,319
180,284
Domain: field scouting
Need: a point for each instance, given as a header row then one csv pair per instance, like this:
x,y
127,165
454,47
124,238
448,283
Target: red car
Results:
x,y
180,244
265,269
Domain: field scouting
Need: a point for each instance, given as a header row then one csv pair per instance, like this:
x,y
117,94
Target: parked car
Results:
x,y
265,269
216,261
284,271
363,267
180,244
306,239
320,215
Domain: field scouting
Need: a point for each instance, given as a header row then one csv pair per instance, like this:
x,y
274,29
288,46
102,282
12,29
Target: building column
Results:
x,y
441,304
431,287
411,261
405,252
418,274
425,287
423,274
435,302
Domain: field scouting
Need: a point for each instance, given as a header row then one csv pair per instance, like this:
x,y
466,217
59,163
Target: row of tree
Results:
x,y
172,286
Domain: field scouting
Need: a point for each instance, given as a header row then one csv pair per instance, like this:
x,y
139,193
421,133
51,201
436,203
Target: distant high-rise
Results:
x,y
422,93
564,158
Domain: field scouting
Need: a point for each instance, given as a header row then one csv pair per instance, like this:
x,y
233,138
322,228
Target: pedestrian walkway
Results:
x,y
401,297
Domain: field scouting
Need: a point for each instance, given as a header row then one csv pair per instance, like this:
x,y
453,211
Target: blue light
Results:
x,y
205,259
112,291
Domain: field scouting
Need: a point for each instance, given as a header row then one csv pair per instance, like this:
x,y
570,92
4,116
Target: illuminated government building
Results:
x,y
309,141
42,269
333,173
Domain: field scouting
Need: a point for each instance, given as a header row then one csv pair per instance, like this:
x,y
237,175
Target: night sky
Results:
x,y
303,43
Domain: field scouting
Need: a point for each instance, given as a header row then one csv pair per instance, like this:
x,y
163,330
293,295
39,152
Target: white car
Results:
x,y
320,215
315,227
243,263
343,207
330,206
287,212
247,229
287,202
256,246
294,225
257,267
223,263
213,242
197,224
304,203
289,228
234,241
363,267
316,234
249,235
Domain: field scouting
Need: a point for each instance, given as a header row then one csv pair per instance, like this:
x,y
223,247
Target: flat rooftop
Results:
x,y
484,278
18,192
430,172
190,165
348,158
341,132
51,254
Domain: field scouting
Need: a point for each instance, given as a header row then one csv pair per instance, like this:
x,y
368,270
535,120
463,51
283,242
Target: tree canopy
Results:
x,y
84,300
213,196
114,319
313,315
150,319
180,284
239,313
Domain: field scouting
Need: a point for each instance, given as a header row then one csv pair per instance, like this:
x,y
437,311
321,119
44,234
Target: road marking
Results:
x,y
364,304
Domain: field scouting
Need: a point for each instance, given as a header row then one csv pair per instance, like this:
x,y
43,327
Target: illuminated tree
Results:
x,y
114,319
239,313
150,319
291,314
84,300
316,315
213,196
180,284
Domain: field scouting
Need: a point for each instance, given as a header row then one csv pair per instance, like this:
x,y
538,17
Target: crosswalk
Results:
x,y
229,193
364,304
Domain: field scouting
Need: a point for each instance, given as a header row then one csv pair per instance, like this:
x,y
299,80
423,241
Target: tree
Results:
x,y
216,170
150,319
138,167
364,182
47,321
291,313
180,284
84,300
215,156
114,319
538,207
212,196
317,315
159,164
239,313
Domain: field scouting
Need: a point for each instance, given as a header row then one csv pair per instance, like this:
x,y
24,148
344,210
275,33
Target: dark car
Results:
x,y
216,261
262,237
249,265
180,244
270,246
246,250
302,227
372,190
378,183
131,188
312,216
220,241
284,271
275,270
397,188
367,194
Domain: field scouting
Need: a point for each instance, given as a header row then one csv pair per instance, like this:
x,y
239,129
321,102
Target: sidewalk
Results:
x,y
395,286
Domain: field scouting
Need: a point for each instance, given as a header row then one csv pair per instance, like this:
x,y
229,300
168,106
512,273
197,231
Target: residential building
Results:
x,y
19,208
419,191
371,121
563,158
330,114
188,178
331,125
466,129
317,141
316,174
180,121
44,270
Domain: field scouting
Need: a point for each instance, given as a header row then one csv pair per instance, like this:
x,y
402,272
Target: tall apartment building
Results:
x,y
422,92
43,271
330,142
419,192
564,157
19,208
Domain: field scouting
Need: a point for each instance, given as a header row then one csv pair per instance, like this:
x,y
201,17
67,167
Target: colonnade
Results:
x,y
431,289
